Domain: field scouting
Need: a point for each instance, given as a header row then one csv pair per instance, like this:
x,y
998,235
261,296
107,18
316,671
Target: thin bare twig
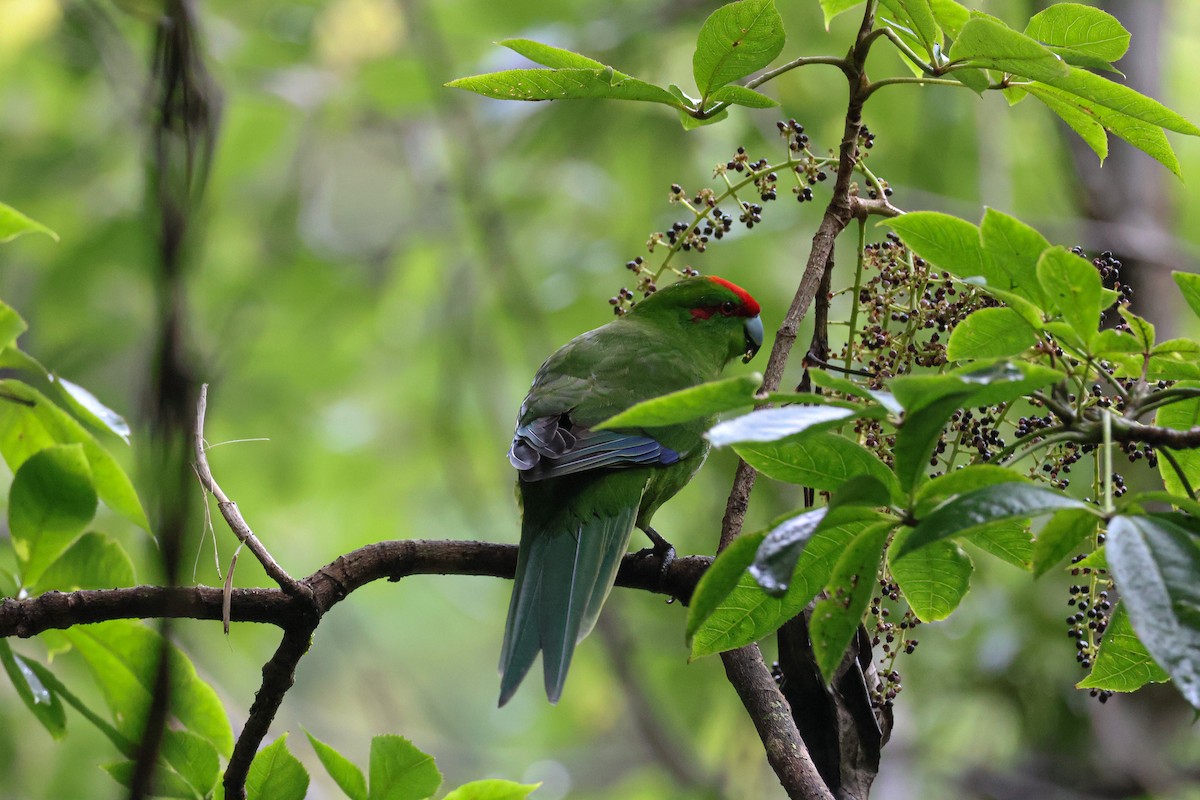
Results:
x,y
229,510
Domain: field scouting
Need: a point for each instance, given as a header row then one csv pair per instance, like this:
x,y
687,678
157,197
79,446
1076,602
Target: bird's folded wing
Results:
x,y
546,448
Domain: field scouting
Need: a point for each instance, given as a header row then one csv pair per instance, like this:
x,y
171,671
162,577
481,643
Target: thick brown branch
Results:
x,y
329,585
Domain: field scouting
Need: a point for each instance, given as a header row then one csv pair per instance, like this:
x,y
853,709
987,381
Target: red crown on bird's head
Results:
x,y
749,304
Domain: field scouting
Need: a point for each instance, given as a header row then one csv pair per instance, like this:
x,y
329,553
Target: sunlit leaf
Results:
x,y
13,223
736,40
934,579
51,501
399,771
987,42
492,789
88,407
344,772
1123,664
823,461
276,774
990,333
837,615
94,561
47,708
1064,533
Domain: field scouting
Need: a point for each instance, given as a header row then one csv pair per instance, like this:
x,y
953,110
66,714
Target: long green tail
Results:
x,y
563,576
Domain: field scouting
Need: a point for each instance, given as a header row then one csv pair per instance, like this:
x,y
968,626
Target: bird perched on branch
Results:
x,y
583,491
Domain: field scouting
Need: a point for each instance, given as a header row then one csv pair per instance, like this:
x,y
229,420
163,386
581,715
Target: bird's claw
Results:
x,y
663,550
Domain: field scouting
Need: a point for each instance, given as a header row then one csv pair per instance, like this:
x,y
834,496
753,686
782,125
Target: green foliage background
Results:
x,y
383,264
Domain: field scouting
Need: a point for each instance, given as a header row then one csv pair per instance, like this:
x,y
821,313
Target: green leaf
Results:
x,y
13,223
822,461
1182,416
1156,563
949,242
990,333
345,774
1003,381
399,771
827,381
1083,35
987,42
29,422
276,774
777,556
917,435
166,783
720,579
492,789
833,8
977,80
564,84
837,615
774,424
745,613
554,57
736,40
1073,287
1082,122
94,561
950,15
1142,330
11,326
36,696
1189,286
88,408
193,757
924,25
1013,249
1121,99
741,96
961,481
934,579
50,503
1123,664
690,122
1009,541
704,400
123,657
1063,533
1003,501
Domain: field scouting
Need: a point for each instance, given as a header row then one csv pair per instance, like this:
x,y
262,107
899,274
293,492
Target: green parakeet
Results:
x,y
582,491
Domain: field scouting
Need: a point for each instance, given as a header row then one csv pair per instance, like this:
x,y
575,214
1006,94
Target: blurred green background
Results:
x,y
382,264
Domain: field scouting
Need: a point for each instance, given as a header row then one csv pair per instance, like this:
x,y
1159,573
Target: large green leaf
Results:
x,y
399,771
46,706
918,15
554,57
94,561
492,789
777,556
11,326
123,657
1156,563
1072,287
727,570
1183,416
166,783
822,461
949,242
961,481
1013,248
995,503
1082,122
832,8
838,614
1062,534
29,422
987,42
934,579
917,435
1010,541
704,400
1083,35
564,84
951,16
775,424
990,333
193,757
276,774
1123,664
13,223
736,40
50,503
1120,99
741,96
344,772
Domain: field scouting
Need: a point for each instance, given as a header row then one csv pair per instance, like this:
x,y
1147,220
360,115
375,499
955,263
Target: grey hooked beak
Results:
x,y
754,337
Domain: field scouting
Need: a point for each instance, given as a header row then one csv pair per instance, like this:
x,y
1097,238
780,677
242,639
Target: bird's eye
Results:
x,y
727,307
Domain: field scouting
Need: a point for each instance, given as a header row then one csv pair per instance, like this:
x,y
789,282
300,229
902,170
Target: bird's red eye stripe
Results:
x,y
703,313
749,304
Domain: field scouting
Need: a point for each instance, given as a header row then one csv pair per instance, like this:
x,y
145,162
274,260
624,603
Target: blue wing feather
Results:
x,y
547,447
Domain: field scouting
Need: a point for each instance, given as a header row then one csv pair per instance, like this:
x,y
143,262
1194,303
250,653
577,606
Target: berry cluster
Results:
x,y
1093,612
893,638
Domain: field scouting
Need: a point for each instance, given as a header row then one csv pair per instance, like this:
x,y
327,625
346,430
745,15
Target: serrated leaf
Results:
x,y
741,96
822,461
399,771
554,57
934,579
777,556
987,42
1010,541
704,400
1123,663
1013,248
774,424
1141,329
123,657
720,579
918,434
1064,533
564,84
1083,35
37,697
837,615
1072,286
967,512
13,224
344,772
1156,563
94,561
990,333
193,757
950,15
1083,123
51,501
961,481
745,613
949,242
736,40
276,774
492,789
1122,100
919,15
29,422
